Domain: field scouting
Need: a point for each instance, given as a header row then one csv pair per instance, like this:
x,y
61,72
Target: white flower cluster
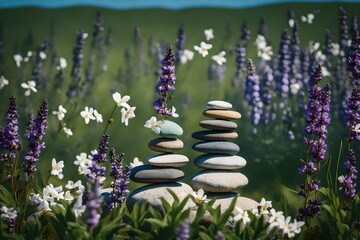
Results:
x,y
91,114
154,124
264,52
60,113
320,57
278,223
127,112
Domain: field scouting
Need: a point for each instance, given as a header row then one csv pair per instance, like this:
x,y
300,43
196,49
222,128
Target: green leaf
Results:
x,y
156,222
6,197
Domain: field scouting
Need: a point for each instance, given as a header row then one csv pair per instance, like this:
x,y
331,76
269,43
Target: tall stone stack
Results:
x,y
220,177
162,170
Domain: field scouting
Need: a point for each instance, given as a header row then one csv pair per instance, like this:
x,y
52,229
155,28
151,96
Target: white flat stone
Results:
x,y
168,160
219,161
218,104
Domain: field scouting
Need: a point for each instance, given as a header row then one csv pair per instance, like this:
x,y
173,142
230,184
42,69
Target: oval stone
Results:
x,y
167,145
218,125
218,104
218,181
222,114
215,135
220,147
170,129
218,161
168,160
151,174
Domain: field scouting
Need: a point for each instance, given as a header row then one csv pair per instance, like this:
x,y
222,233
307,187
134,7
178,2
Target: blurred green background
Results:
x,y
272,158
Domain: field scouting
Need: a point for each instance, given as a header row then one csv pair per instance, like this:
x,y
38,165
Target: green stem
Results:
x,y
110,119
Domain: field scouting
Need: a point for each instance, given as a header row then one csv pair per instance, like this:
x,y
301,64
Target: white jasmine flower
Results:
x,y
320,56
68,197
260,42
153,124
18,59
67,131
81,188
313,46
220,58
98,116
29,53
284,226
70,185
87,114
57,168
121,102
209,34
42,55
3,82
242,215
291,23
262,208
60,113
308,18
274,216
82,159
85,35
294,88
265,53
79,208
335,49
325,72
203,49
136,162
62,64
84,169
173,112
127,114
341,179
199,196
29,86
186,55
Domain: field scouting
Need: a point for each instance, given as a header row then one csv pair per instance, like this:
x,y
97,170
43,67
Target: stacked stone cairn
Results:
x,y
162,170
220,179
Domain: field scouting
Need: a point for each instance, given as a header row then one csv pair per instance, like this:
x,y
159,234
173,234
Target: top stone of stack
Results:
x,y
218,105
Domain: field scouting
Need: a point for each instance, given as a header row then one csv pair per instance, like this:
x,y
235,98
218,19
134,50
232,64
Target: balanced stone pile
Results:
x,y
220,178
162,170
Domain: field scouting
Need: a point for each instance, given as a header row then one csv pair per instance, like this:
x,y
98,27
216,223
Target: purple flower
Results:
x,y
348,180
35,132
354,59
183,232
282,75
180,43
312,209
97,171
166,85
245,35
92,201
9,137
240,59
121,175
353,114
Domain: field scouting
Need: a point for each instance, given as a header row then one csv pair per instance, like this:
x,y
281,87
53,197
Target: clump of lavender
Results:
x,y
295,52
328,43
240,59
35,131
282,75
166,85
343,31
183,232
97,172
266,93
78,56
252,93
180,43
354,25
348,185
121,175
92,200
245,35
354,59
317,120
9,137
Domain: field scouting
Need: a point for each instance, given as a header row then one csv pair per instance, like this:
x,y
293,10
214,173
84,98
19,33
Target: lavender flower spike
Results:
x,y
166,85
9,139
35,132
183,232
354,59
93,202
348,181
353,114
96,171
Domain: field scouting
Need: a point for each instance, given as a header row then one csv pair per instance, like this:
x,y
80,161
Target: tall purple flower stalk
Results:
x,y
37,74
354,59
120,184
9,139
266,90
240,59
282,75
180,43
348,185
245,35
354,24
317,120
166,85
183,232
343,31
252,93
92,201
353,114
96,170
295,52
35,132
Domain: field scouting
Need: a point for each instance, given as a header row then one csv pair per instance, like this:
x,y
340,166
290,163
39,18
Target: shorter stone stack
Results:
x,y
162,170
220,178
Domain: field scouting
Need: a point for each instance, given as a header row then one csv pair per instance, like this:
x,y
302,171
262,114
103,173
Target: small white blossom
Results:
x,y
199,196
29,53
265,53
335,49
60,113
153,124
242,215
136,162
203,49
67,131
186,56
29,86
274,217
85,35
209,34
291,22
79,208
82,159
57,168
220,58
18,59
87,114
127,114
260,42
42,55
313,46
325,72
309,18
68,197
357,128
3,82
70,185
262,208
98,116
62,64
173,112
294,88
341,179
121,102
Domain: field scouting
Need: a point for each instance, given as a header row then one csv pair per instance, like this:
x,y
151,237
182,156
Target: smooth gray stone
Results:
x,y
215,135
151,174
220,161
218,181
168,160
218,104
219,147
152,194
218,124
170,129
167,145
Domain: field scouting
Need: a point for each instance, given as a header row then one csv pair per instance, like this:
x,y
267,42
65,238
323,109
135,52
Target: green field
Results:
x,y
272,159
